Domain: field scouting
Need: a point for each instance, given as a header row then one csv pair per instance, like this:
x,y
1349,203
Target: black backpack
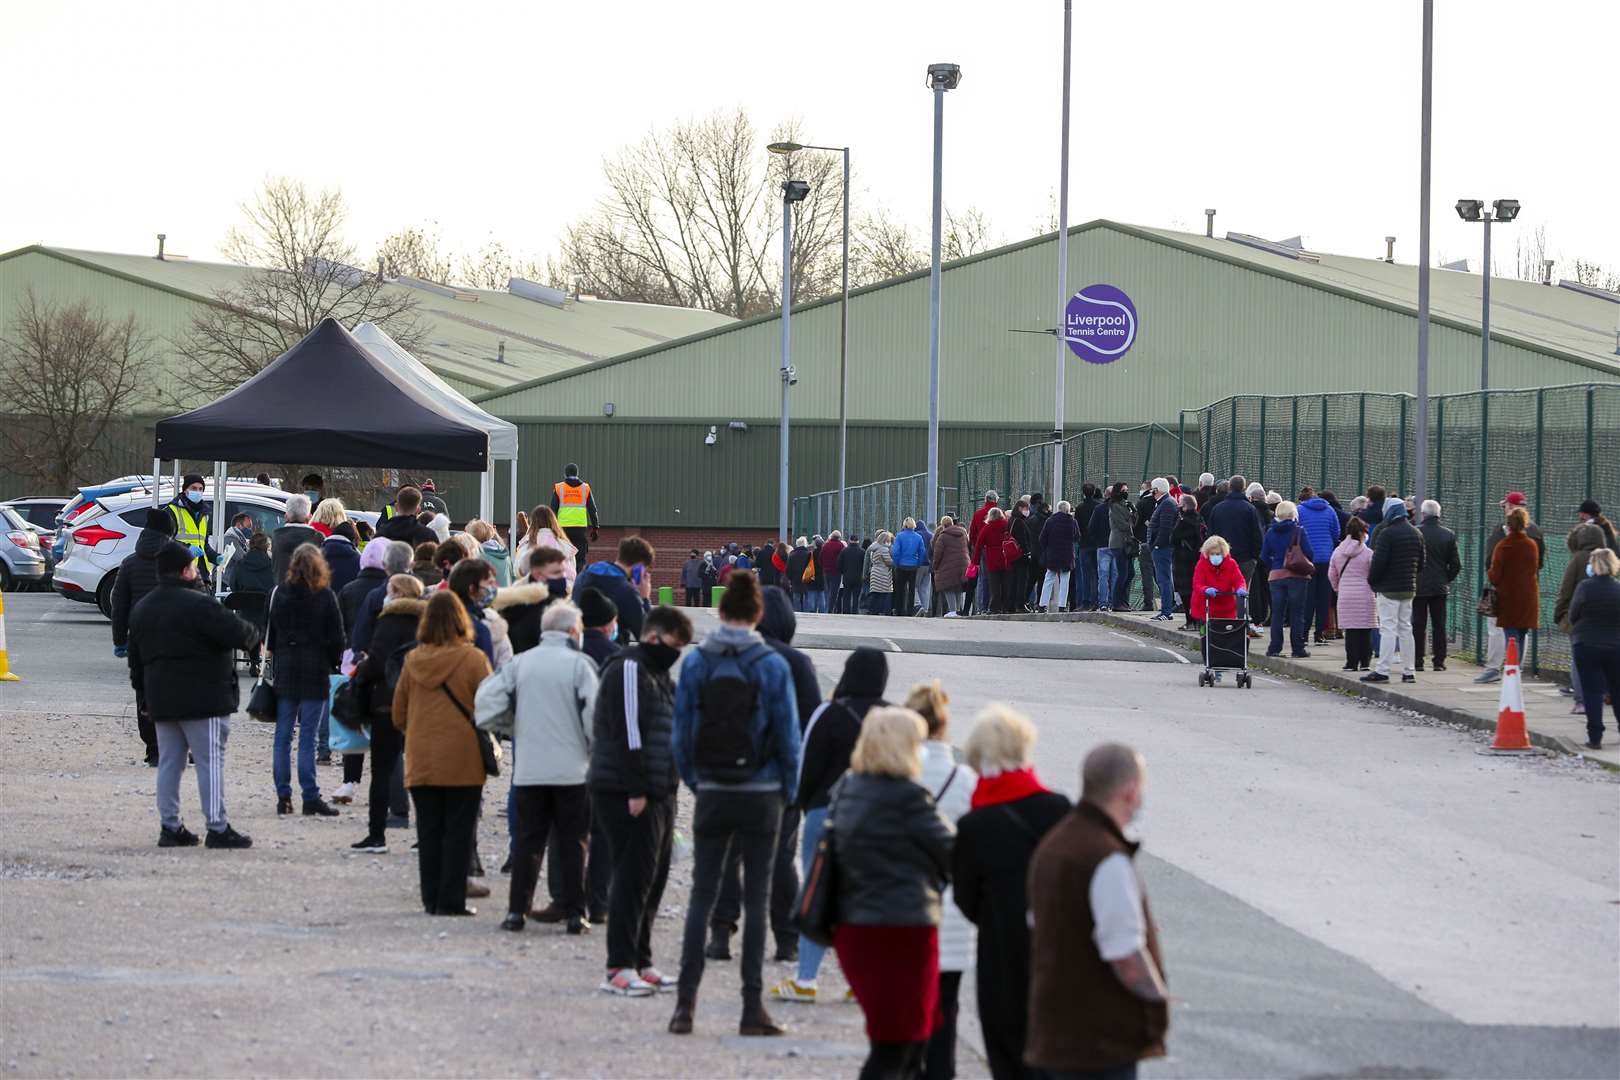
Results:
x,y
725,747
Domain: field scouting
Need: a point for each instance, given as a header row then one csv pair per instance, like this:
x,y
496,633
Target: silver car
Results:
x,y
22,562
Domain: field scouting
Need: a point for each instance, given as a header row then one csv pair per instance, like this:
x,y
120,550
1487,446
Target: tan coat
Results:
x,y
441,746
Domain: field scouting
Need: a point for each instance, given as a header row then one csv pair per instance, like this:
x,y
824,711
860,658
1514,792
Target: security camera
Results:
x,y
712,437
791,374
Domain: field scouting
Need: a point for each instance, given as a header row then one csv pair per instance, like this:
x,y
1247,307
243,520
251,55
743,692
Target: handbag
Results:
x,y
1487,601
815,913
348,735
261,704
1011,551
1295,561
809,574
486,744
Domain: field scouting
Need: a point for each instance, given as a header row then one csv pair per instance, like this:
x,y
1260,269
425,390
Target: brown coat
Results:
x,y
1081,1017
1518,591
441,746
949,559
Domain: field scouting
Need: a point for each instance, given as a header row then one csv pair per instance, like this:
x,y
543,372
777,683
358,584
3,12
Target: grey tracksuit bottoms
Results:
x,y
205,739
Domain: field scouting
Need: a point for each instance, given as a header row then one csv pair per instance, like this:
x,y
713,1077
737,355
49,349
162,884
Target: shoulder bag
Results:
x,y
486,744
1295,561
261,704
1011,551
1487,601
815,913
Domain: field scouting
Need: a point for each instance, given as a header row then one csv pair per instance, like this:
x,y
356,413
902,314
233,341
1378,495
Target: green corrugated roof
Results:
x,y
462,332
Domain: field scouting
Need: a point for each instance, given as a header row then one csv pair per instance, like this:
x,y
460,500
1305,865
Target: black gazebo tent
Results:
x,y
326,400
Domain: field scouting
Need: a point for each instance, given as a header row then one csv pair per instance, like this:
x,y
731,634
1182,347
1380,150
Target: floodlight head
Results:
x,y
794,190
1468,209
944,76
1506,209
785,147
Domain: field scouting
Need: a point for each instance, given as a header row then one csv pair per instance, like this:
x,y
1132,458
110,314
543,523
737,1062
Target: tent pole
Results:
x,y
219,523
511,528
157,477
175,494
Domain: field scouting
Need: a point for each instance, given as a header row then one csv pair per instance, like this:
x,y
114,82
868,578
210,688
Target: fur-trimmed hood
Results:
x,y
520,596
405,605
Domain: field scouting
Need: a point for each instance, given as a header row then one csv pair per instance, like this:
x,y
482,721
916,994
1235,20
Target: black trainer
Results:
x,y
1373,676
319,808
513,921
373,844
180,836
227,838
1409,678
577,925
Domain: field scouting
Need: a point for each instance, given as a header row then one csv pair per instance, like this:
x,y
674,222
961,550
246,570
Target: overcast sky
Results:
x,y
124,120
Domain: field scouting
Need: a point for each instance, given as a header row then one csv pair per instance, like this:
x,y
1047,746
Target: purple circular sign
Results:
x,y
1100,324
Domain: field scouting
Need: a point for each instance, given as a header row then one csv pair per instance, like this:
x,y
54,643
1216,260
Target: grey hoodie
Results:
x,y
544,698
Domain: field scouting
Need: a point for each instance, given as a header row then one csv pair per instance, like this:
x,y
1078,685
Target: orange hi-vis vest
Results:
x,y
571,505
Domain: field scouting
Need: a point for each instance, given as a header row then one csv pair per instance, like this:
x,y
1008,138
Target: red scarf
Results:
x,y
1007,787
778,562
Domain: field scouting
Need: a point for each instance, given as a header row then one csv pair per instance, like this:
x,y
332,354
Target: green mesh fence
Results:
x,y
1559,445
881,505
1101,455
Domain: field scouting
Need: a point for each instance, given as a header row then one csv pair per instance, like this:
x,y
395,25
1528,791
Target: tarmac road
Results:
x,y
1342,891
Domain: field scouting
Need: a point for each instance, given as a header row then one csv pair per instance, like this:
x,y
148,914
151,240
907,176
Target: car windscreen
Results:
x,y
11,519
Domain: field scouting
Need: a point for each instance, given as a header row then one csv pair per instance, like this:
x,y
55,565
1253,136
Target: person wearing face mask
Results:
x,y
1217,582
633,788
1092,938
473,580
190,513
521,604
601,624
314,488
289,537
544,701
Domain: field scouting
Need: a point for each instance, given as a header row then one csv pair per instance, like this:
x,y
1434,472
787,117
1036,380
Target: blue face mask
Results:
x,y
1216,560
487,597
314,497
194,497
1590,572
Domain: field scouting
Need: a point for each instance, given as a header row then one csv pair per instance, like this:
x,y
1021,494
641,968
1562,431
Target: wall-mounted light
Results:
x,y
712,437
737,425
608,408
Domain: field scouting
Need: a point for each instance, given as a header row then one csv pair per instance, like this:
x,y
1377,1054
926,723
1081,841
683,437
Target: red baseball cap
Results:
x,y
1514,498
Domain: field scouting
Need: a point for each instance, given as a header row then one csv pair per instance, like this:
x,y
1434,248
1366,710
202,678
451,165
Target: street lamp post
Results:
x,y
843,334
1063,268
1421,444
792,191
1503,210
941,77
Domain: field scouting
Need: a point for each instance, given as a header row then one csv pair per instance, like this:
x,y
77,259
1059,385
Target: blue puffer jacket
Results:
x,y
1321,525
776,714
909,549
1275,549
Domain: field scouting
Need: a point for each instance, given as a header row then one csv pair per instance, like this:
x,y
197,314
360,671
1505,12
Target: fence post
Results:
x,y
1205,421
1260,466
1181,444
1541,408
1361,446
1147,455
1439,448
1400,439
1591,446
1293,448
1322,479
1484,533
1108,436
1232,461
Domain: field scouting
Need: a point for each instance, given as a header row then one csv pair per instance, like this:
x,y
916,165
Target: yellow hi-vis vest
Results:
x,y
192,530
571,503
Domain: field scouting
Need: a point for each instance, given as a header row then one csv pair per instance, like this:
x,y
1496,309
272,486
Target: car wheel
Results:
x,y
7,582
104,595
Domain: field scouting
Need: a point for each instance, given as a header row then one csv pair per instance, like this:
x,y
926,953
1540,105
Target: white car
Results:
x,y
102,536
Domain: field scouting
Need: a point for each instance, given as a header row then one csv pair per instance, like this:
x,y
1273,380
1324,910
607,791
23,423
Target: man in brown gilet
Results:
x,y
1097,999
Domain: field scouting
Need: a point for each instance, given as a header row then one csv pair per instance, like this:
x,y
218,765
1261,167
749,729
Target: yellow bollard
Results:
x,y
6,674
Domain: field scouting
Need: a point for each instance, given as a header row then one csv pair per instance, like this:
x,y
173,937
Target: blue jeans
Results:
x,y
982,597
1288,597
810,953
1054,591
1164,572
1107,571
818,600
1519,636
306,713
323,742
1086,577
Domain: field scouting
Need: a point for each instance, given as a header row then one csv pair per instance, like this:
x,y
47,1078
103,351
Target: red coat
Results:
x,y
989,544
1226,578
976,525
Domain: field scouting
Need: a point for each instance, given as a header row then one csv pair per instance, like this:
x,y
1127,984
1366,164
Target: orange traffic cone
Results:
x,y
1511,736
6,674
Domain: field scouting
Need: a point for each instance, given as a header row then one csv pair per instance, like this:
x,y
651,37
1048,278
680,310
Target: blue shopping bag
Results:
x,y
344,739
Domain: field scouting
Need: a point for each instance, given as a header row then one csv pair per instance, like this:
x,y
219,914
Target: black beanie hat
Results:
x,y
596,607
173,558
191,478
161,520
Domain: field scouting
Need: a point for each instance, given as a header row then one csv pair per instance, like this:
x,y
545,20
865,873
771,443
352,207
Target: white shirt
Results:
x,y
1119,927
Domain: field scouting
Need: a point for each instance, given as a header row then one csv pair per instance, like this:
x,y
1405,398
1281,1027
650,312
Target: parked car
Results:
x,y
104,532
39,511
85,498
22,560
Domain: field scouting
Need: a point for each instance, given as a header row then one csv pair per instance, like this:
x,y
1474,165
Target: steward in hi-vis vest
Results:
x,y
575,507
191,523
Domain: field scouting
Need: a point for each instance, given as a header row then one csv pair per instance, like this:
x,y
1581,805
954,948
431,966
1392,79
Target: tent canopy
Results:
x,y
327,400
503,435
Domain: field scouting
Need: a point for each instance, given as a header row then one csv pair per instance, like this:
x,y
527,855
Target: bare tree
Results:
x,y
1529,252
414,252
690,218
303,273
1597,275
69,371
884,248
493,267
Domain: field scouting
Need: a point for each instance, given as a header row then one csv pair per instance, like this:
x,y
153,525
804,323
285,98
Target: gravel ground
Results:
x,y
300,958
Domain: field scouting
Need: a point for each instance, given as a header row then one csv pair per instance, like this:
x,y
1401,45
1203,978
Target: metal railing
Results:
x,y
884,504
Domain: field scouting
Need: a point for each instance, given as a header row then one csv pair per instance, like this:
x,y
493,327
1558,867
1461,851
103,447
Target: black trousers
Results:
x,y
1358,648
598,870
581,539
147,729
894,1061
1599,668
354,767
694,597
541,811
641,847
905,590
1429,611
387,746
784,885
939,1062
721,818
446,822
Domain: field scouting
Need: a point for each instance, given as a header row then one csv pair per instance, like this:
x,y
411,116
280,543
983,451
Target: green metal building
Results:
x,y
1215,317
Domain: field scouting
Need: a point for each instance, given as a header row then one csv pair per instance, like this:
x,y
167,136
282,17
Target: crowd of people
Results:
x,y
608,709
